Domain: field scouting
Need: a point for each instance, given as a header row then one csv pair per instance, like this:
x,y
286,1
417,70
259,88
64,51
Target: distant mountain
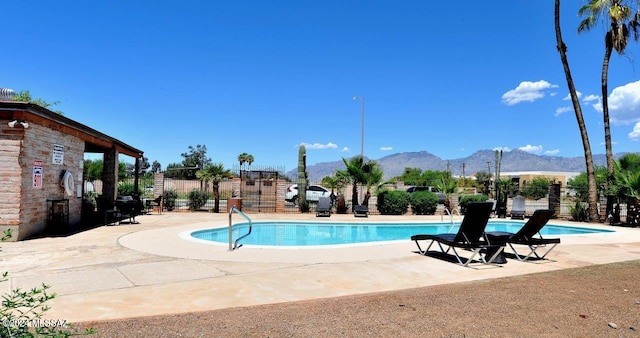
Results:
x,y
515,160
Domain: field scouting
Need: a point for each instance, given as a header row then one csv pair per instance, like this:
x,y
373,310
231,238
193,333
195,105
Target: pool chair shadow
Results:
x,y
529,236
469,237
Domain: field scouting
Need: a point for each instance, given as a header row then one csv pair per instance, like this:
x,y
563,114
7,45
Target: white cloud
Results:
x,y
568,97
552,152
635,134
624,104
526,91
505,149
562,110
316,145
531,149
346,150
386,148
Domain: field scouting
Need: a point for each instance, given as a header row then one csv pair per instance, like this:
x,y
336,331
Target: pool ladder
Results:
x,y
450,213
234,245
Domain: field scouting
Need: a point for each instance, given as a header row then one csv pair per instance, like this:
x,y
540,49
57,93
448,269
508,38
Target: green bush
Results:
x,y
169,199
125,189
393,202
304,206
197,199
423,202
579,213
466,199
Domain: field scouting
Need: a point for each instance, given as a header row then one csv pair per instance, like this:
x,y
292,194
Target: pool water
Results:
x,y
329,233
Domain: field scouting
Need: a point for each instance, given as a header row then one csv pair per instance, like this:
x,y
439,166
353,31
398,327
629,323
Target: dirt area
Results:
x,y
595,301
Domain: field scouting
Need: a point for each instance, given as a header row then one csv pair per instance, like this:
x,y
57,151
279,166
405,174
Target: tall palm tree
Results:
x,y
242,159
621,21
215,172
588,157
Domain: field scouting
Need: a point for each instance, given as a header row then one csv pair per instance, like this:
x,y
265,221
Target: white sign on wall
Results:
x,y
37,174
58,154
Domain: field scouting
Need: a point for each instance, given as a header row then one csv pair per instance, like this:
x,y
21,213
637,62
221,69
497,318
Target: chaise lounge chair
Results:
x,y
527,235
469,236
361,210
324,207
518,209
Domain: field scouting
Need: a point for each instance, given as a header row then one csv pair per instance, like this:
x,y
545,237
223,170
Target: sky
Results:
x,y
263,77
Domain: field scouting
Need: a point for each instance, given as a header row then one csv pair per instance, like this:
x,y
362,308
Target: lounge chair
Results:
x,y
527,235
469,236
324,207
360,210
518,208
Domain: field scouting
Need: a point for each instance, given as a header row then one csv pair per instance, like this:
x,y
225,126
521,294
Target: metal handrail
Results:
x,y
234,245
450,213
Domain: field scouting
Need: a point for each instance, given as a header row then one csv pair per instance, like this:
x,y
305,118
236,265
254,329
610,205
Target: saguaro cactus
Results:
x,y
302,177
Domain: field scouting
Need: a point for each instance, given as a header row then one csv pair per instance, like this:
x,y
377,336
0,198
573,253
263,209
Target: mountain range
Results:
x,y
482,160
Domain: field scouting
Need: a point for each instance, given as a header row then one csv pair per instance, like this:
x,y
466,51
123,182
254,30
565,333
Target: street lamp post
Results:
x,y
361,135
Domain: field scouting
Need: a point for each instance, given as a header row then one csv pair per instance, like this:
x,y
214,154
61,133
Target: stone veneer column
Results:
x,y
110,176
281,188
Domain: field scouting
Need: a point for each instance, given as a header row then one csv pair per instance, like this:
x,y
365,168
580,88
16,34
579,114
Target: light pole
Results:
x,y
361,135
362,127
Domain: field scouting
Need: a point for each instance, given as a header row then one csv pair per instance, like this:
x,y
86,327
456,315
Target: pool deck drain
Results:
x,y
147,269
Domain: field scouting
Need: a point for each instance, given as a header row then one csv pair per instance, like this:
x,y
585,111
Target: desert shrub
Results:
x,y
393,202
125,189
303,206
579,212
423,202
22,310
197,199
466,199
169,199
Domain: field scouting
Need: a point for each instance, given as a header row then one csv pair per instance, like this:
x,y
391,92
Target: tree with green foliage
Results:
x,y
245,158
621,21
25,96
447,185
156,167
537,188
215,173
573,93
355,167
580,184
194,159
628,179
372,177
483,179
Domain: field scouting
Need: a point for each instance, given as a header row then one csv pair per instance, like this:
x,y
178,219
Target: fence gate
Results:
x,y
258,189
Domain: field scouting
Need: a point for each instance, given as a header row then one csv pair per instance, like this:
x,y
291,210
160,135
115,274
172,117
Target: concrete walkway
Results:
x,y
148,269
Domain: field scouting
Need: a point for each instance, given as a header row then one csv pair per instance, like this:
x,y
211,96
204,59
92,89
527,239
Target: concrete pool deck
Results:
x,y
146,269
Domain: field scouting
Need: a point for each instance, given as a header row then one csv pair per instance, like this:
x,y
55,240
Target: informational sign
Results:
x,y
58,154
37,174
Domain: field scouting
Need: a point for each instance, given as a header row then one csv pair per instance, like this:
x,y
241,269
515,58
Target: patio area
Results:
x,y
146,269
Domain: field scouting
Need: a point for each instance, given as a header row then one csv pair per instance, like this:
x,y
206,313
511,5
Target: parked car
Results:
x,y
314,192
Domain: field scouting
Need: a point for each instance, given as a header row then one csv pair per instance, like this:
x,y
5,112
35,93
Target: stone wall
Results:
x,y
23,206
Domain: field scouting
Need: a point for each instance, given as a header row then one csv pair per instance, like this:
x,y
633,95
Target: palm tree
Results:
x,y
214,172
617,14
242,159
372,176
588,157
628,179
355,170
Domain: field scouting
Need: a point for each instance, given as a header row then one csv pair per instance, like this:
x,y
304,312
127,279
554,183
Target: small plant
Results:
x,y
169,199
126,189
304,206
466,199
423,202
579,213
393,202
22,312
197,199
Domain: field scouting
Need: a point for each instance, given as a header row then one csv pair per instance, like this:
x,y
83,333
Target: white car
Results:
x,y
314,192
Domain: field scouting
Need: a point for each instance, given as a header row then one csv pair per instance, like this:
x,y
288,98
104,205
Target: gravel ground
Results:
x,y
595,301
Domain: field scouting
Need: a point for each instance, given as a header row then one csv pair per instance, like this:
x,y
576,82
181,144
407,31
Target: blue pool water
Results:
x,y
330,233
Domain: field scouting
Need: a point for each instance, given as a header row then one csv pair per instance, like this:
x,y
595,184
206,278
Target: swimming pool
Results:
x,y
289,234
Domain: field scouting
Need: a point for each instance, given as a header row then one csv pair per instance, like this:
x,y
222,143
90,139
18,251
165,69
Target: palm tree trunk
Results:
x,y
605,116
591,176
216,197
354,195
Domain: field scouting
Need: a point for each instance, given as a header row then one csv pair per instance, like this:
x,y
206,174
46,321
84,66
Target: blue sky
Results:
x,y
263,77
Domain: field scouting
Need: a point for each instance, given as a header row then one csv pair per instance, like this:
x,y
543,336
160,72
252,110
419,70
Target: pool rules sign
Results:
x,y
37,174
